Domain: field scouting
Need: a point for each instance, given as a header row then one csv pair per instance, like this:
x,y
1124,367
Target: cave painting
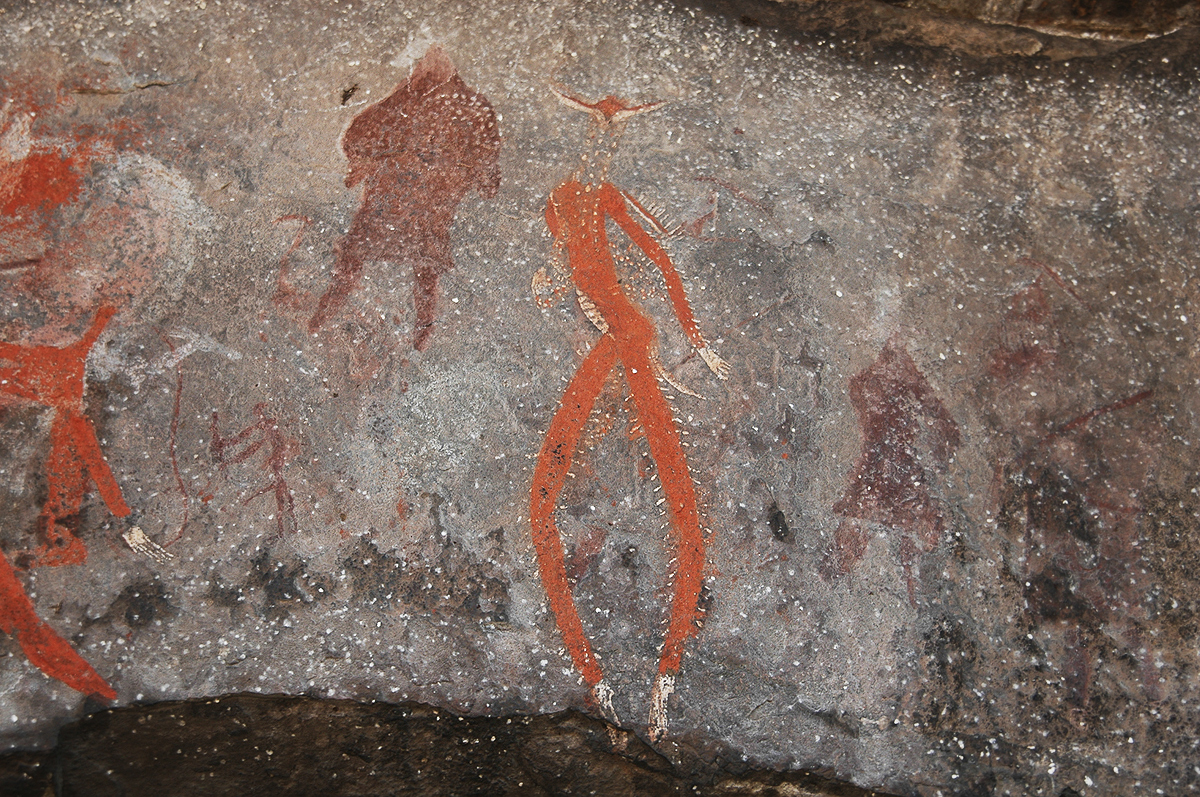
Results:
x,y
54,378
83,231
417,154
264,433
895,406
1071,503
577,214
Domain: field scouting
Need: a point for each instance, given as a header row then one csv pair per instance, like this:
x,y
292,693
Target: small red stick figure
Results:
x,y
263,432
576,214
54,377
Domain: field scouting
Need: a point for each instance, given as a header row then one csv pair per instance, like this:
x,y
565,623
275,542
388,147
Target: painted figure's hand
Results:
x,y
714,363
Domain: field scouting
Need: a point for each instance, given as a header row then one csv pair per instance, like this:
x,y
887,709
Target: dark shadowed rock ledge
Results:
x,y
254,744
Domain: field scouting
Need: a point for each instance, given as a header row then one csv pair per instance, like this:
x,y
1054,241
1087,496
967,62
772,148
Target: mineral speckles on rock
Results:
x,y
1004,247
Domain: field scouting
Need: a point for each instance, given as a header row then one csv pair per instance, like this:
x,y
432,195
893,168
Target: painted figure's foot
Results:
x,y
714,363
602,693
664,685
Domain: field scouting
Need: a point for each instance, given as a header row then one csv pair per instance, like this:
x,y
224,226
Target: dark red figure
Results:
x,y
417,154
889,484
262,433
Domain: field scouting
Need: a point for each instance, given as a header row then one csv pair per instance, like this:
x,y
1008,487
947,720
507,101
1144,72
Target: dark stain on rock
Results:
x,y
284,585
417,154
1054,505
449,581
630,558
139,605
1172,550
949,656
778,523
1050,594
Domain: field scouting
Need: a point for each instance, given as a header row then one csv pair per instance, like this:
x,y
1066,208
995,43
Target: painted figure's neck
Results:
x,y
597,156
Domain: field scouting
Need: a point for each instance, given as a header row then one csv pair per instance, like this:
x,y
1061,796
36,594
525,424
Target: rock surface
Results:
x,y
948,489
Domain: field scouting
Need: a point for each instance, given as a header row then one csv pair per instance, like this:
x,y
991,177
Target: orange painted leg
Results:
x,y
553,463
49,652
65,486
74,455
89,451
663,437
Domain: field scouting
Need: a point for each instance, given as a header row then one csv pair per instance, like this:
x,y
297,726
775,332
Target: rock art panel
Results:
x,y
416,155
576,215
72,207
357,525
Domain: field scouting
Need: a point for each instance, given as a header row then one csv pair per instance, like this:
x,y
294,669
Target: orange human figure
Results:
x,y
54,377
576,214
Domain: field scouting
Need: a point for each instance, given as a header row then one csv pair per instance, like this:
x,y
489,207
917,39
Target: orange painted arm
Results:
x,y
614,204
99,322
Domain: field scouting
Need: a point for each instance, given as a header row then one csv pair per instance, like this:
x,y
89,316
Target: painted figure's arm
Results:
x,y
614,204
549,288
101,319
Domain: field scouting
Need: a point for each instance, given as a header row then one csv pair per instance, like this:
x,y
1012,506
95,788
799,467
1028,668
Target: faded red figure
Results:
x,y
416,154
263,433
897,410
577,215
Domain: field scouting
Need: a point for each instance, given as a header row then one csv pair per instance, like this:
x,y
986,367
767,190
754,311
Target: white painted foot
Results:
x,y
664,685
603,694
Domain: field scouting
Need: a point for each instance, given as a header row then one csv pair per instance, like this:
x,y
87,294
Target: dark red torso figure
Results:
x,y
416,154
896,407
577,214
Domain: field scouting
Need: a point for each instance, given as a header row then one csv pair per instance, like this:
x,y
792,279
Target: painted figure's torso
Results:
x,y
578,215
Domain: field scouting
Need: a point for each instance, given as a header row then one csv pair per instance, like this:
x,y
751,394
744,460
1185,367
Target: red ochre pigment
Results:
x,y
896,407
576,215
416,154
54,378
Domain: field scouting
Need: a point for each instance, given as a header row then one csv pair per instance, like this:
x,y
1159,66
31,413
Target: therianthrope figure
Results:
x,y
577,214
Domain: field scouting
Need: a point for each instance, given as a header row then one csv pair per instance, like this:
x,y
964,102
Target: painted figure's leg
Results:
x,y
49,652
663,437
347,273
65,485
553,463
88,449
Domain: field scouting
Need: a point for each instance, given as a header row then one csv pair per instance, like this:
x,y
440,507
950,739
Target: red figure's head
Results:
x,y
608,117
608,111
